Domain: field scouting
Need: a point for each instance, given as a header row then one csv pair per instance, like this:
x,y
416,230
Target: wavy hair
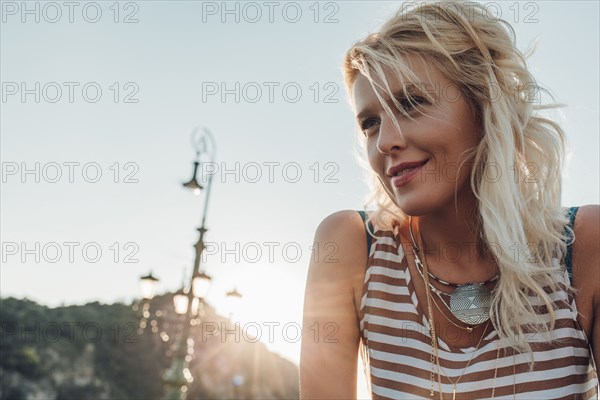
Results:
x,y
478,53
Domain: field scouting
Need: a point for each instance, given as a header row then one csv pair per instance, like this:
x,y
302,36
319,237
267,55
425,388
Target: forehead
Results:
x,y
418,75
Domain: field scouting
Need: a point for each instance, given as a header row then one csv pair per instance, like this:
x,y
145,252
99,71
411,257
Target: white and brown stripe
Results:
x,y
396,345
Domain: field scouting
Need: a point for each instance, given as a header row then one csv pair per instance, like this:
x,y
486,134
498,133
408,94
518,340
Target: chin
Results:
x,y
413,205
423,202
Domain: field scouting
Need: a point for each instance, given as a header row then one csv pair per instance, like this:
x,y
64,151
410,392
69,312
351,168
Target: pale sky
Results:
x,y
290,116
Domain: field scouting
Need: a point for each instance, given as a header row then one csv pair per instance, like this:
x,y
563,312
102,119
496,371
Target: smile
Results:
x,y
401,176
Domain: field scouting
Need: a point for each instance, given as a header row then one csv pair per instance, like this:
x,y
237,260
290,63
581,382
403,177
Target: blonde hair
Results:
x,y
477,52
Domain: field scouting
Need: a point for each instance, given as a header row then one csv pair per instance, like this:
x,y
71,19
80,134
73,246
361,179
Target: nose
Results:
x,y
391,137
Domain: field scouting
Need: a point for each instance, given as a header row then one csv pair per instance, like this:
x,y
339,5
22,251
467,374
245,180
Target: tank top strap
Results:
x,y
368,230
569,234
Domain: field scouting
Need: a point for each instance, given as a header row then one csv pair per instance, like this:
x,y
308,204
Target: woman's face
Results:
x,y
432,141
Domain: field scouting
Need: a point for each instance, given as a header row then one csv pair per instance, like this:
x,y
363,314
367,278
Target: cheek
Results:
x,y
450,137
376,161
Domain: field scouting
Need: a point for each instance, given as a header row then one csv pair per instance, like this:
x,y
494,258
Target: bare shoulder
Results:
x,y
345,225
340,250
586,265
329,354
587,223
586,248
346,230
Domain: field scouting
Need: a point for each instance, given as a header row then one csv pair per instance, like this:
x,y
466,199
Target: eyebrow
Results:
x,y
412,89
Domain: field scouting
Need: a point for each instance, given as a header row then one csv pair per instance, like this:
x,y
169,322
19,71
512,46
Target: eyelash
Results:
x,y
364,124
407,105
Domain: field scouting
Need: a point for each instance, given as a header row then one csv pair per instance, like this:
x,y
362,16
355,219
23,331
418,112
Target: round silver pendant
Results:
x,y
470,303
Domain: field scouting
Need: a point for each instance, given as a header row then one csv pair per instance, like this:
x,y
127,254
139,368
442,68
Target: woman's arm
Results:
x,y
586,273
330,329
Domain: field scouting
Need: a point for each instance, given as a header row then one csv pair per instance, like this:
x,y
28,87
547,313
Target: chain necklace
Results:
x,y
470,302
455,383
456,285
439,292
435,350
434,345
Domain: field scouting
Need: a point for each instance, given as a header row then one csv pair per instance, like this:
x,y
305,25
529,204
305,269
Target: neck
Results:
x,y
450,236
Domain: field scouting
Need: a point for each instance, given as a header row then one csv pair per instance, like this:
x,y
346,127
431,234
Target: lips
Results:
x,y
400,168
403,173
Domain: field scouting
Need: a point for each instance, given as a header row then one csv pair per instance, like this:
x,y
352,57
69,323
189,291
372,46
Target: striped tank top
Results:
x,y
396,344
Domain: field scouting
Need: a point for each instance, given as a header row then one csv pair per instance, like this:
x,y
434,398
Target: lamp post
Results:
x,y
148,284
189,300
178,376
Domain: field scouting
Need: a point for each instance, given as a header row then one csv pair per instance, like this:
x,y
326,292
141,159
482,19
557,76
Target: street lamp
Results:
x,y
180,301
193,183
199,141
200,284
176,388
148,285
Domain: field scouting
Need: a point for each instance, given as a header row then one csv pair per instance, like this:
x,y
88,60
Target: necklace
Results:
x,y
434,348
443,282
496,372
468,328
435,351
470,302
455,383
496,367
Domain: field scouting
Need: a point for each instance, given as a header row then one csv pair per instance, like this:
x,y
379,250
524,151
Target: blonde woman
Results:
x,y
467,279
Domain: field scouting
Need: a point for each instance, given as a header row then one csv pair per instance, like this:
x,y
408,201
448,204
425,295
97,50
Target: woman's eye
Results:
x,y
367,125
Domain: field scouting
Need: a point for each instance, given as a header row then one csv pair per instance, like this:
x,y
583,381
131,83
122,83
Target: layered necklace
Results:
x,y
435,354
469,302
435,359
